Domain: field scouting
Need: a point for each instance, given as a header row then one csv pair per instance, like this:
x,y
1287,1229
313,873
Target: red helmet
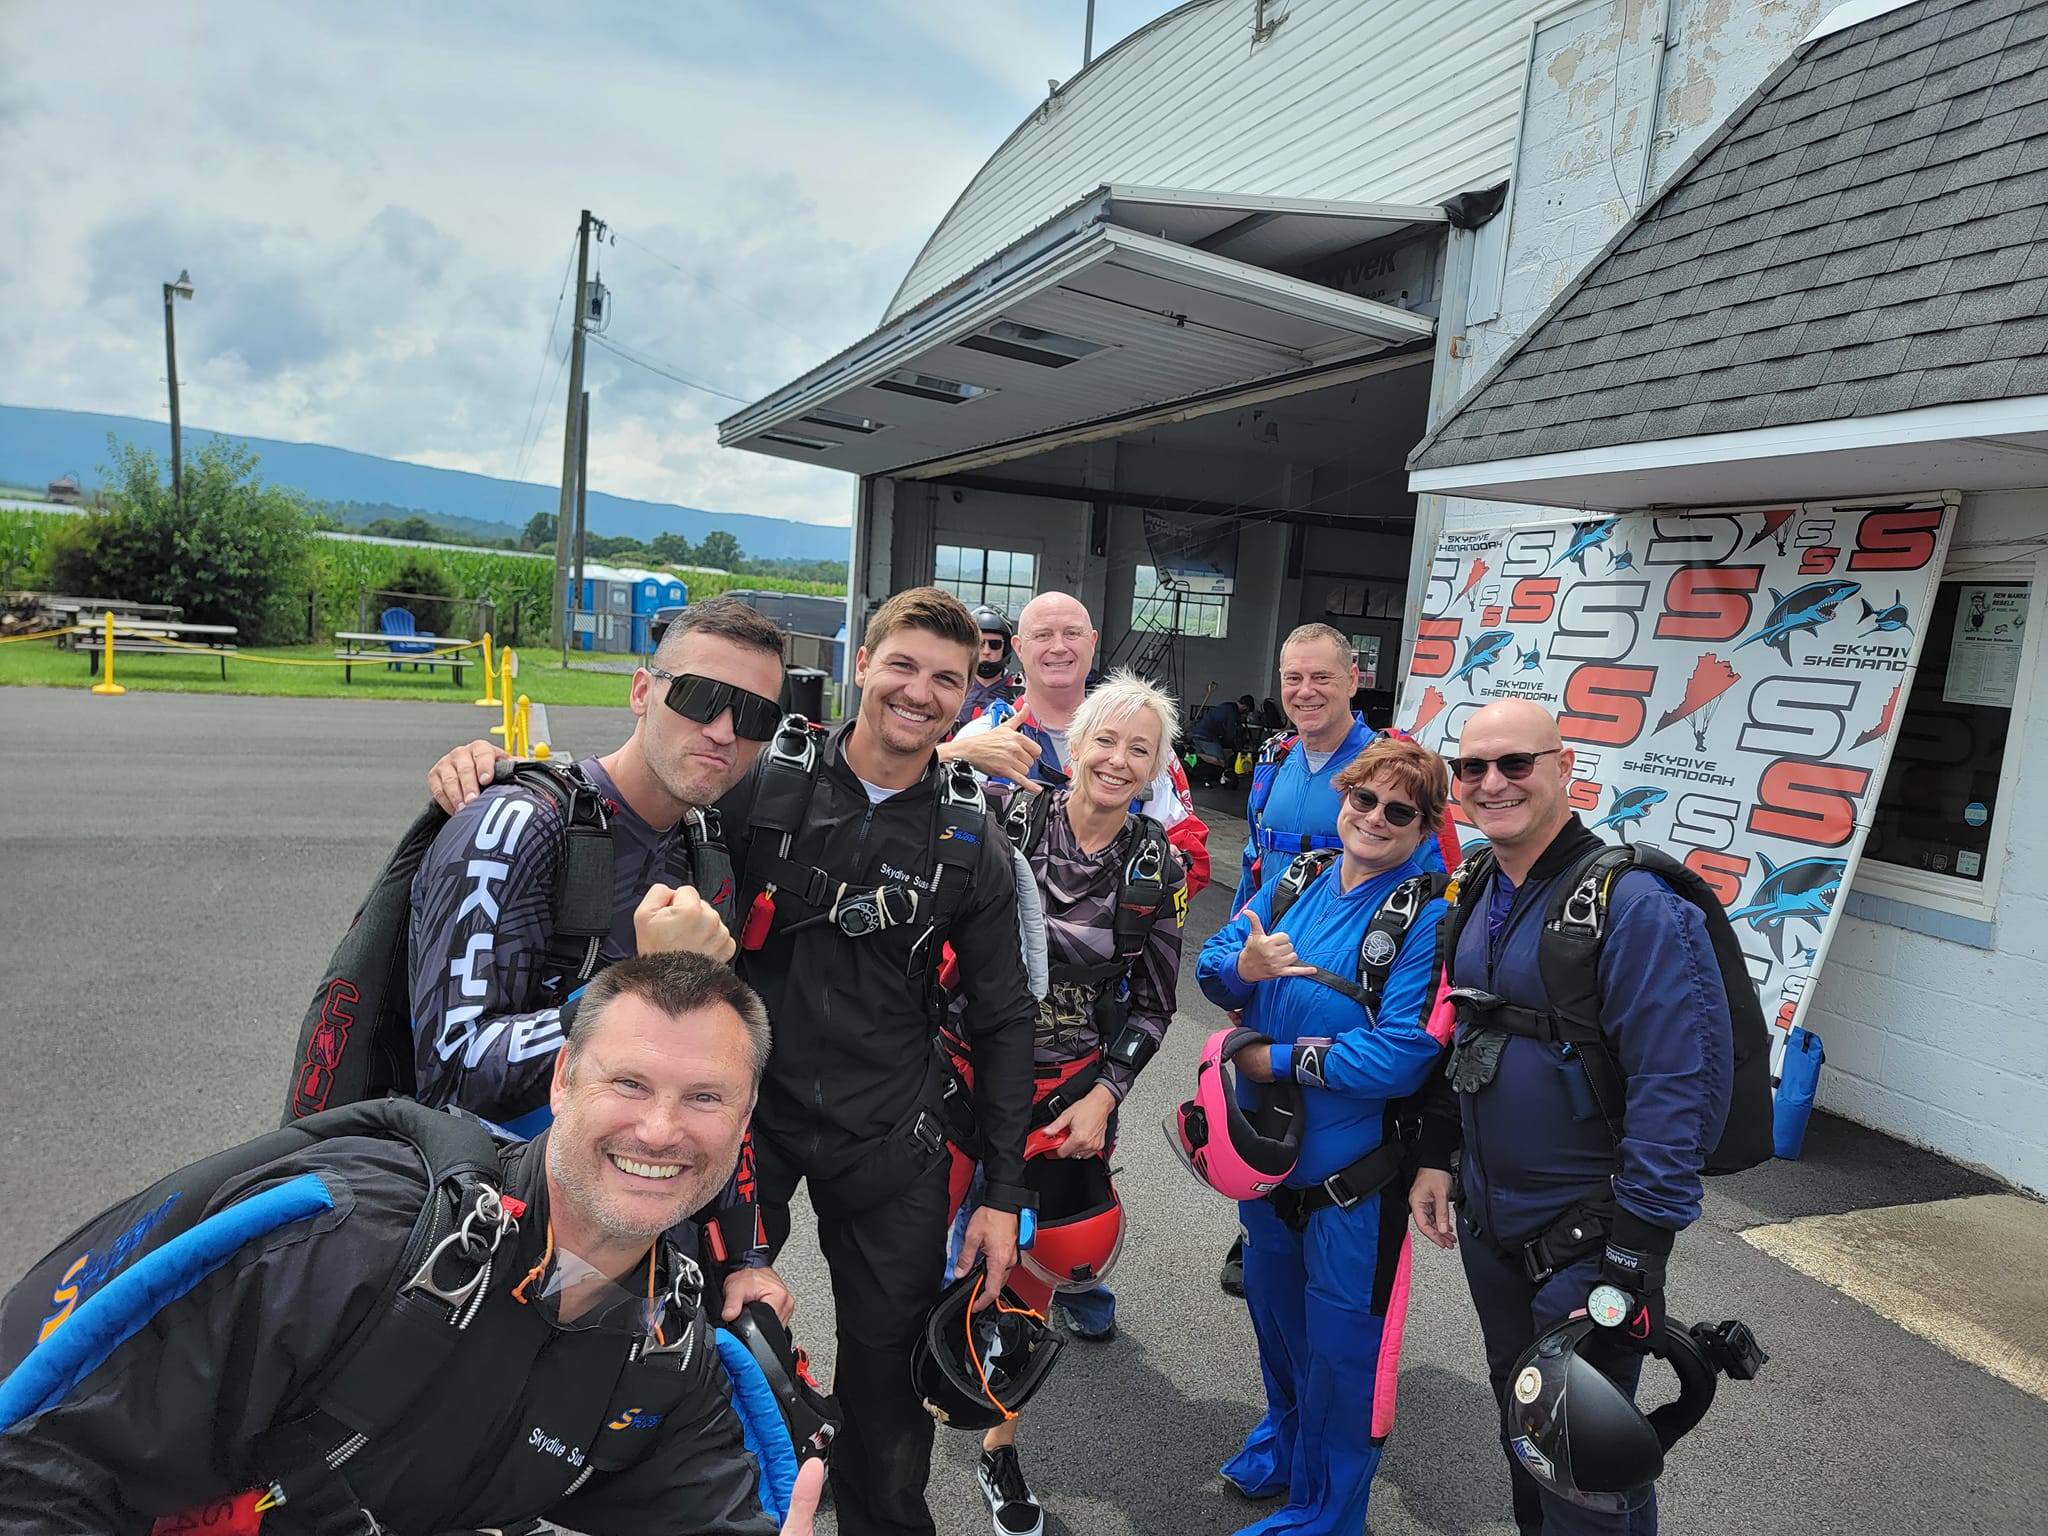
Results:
x,y
1080,1220
1241,1152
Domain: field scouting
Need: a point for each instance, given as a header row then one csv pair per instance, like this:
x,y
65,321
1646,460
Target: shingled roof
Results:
x,y
1859,238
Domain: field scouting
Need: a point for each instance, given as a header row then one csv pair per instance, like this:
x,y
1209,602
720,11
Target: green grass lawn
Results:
x,y
39,664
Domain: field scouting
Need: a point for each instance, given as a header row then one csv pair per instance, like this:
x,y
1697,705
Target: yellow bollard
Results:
x,y
109,685
487,702
540,750
508,669
523,728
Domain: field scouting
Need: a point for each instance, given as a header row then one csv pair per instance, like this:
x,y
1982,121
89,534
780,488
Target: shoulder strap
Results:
x,y
1271,756
1301,874
1025,819
583,894
1568,957
1463,893
1384,935
711,865
1152,879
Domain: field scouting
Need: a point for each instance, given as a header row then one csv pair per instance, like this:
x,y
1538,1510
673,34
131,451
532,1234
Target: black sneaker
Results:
x,y
1232,1278
1002,1483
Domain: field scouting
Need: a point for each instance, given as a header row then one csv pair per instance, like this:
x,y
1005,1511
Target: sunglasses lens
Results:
x,y
1398,813
1516,765
704,699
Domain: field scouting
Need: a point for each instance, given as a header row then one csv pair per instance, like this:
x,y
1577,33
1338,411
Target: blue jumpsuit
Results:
x,y
1535,1144
1325,1301
1293,810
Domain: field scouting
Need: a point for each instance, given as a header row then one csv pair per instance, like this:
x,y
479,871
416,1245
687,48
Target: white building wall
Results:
x,y
1364,100
1620,94
1939,1042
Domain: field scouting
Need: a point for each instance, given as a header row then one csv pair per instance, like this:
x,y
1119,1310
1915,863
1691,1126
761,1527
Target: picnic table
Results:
x,y
367,646
80,610
154,637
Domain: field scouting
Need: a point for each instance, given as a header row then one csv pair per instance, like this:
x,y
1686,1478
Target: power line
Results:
x,y
526,435
626,354
704,278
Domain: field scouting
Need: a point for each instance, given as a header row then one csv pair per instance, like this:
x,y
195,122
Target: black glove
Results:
x,y
1634,1263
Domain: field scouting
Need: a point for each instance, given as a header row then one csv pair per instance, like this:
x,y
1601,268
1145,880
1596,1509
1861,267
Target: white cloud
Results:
x,y
376,202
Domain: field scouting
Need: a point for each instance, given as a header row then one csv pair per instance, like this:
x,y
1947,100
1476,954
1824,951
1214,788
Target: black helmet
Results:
x,y
975,1370
1583,1438
991,620
812,1415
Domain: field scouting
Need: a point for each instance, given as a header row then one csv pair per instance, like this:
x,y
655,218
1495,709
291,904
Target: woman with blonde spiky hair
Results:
x,y
1114,893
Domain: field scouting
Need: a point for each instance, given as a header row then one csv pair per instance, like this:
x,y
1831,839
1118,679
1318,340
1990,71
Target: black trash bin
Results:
x,y
803,691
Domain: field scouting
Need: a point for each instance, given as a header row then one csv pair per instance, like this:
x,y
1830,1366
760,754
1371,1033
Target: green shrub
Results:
x,y
426,588
236,552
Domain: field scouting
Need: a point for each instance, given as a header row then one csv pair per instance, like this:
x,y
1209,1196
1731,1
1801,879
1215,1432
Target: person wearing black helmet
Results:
x,y
991,679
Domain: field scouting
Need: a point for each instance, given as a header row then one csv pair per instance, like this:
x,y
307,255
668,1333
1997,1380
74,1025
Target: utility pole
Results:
x,y
565,515
582,491
1088,38
181,289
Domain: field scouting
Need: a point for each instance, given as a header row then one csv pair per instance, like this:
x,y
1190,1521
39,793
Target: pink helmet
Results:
x,y
1242,1153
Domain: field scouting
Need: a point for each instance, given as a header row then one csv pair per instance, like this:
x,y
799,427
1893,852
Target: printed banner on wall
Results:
x,y
1729,681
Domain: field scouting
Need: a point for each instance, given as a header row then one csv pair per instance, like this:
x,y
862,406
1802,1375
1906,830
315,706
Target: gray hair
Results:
x,y
675,983
1308,634
1125,693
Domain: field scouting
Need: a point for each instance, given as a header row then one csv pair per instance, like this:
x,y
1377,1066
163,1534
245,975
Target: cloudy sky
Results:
x,y
378,202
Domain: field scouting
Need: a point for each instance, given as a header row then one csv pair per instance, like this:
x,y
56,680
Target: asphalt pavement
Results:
x,y
175,869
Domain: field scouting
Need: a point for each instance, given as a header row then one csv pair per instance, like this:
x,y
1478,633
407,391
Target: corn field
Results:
x,y
519,586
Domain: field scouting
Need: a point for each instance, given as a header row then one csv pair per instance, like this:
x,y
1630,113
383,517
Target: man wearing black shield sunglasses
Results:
x,y
489,1011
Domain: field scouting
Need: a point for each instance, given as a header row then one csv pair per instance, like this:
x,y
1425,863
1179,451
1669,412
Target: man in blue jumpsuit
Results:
x,y
1550,1204
1327,1283
1294,802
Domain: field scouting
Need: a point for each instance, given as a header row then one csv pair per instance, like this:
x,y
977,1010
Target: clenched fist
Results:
x,y
668,920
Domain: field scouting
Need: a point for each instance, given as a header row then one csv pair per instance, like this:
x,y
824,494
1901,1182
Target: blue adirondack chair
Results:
x,y
399,621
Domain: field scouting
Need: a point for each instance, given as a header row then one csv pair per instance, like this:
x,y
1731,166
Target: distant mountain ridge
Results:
x,y
37,446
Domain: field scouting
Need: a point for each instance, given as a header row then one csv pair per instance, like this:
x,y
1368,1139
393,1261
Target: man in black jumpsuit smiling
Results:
x,y
850,1101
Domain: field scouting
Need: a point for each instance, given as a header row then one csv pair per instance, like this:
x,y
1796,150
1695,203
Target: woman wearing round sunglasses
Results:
x,y
1325,1277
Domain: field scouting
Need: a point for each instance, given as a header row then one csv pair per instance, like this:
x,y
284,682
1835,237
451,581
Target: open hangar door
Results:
x,y
1198,543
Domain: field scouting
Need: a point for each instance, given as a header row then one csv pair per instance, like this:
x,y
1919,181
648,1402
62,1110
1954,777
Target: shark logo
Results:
x,y
1807,608
1884,621
1625,561
1630,807
1531,659
1804,890
1586,537
1481,652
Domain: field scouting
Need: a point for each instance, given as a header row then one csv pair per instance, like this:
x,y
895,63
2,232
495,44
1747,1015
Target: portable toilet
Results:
x,y
673,593
646,602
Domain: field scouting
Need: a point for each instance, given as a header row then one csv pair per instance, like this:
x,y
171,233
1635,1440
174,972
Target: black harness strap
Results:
x,y
1345,1188
1380,945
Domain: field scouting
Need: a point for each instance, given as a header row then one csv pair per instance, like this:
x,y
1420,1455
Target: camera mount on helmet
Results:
x,y
1583,1438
